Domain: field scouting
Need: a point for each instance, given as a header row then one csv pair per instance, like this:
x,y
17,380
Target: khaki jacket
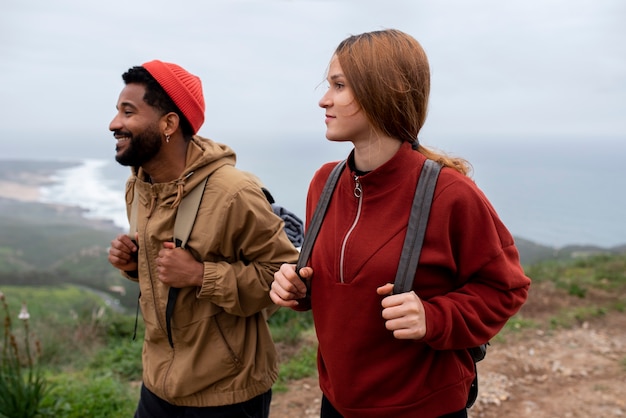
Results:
x,y
222,349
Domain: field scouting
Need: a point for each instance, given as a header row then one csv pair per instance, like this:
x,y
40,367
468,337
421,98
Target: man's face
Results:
x,y
136,128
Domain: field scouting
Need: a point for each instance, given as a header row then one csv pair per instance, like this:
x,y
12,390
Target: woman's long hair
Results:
x,y
389,73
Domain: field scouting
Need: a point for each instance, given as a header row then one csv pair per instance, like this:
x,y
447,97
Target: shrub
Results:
x,y
287,325
122,357
22,383
90,394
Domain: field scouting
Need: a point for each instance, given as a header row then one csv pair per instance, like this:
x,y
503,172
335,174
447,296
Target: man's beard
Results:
x,y
141,148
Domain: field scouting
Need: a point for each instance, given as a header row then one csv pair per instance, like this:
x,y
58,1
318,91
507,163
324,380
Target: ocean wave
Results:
x,y
95,186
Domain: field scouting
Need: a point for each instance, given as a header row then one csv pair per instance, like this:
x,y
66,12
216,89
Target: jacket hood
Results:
x,y
204,157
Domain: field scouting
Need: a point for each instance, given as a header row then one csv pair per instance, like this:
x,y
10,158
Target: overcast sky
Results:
x,y
515,69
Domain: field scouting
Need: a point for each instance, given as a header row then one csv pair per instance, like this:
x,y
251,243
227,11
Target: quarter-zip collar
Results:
x,y
371,185
377,180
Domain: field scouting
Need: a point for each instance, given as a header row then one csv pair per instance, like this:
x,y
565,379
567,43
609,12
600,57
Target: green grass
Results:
x,y
605,272
303,364
87,354
288,325
52,304
90,394
575,316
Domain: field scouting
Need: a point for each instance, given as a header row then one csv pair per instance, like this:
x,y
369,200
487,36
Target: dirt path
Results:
x,y
540,373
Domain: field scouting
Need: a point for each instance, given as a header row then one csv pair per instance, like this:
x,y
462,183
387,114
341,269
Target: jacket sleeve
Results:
x,y
252,246
489,282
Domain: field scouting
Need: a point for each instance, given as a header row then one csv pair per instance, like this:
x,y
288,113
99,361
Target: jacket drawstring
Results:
x,y
130,191
180,184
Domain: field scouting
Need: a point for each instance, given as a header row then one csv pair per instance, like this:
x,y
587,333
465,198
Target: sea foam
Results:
x,y
89,187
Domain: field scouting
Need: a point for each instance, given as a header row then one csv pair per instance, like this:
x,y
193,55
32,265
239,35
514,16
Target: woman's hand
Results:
x,y
404,313
288,287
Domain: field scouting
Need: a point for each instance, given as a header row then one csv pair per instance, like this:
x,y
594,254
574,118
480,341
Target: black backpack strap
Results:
x,y
418,220
320,211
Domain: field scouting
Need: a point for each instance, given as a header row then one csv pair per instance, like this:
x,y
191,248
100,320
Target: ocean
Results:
x,y
554,193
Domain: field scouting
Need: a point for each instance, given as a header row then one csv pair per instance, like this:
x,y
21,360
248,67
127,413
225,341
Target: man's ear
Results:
x,y
170,123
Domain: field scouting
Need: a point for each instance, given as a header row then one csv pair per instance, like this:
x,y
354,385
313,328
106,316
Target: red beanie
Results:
x,y
184,88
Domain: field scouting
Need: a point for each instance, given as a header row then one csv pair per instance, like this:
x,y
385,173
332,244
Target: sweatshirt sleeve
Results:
x,y
483,263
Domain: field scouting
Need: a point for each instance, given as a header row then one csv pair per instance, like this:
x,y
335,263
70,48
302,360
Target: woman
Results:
x,y
400,355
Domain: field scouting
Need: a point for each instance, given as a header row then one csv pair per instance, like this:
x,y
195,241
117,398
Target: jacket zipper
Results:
x,y
358,193
153,204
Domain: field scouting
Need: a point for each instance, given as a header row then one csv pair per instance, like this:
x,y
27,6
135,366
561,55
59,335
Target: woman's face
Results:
x,y
345,120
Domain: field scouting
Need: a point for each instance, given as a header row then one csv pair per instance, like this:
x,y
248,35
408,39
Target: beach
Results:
x,y
24,180
24,192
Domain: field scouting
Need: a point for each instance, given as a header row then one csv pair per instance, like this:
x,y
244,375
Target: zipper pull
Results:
x,y
358,191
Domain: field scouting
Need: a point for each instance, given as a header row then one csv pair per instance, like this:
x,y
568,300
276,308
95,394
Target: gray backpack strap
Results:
x,y
313,229
418,220
412,249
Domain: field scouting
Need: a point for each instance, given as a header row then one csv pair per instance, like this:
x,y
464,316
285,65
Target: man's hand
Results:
x,y
176,267
123,253
404,314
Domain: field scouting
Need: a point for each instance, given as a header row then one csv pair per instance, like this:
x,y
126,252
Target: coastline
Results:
x,y
23,192
23,180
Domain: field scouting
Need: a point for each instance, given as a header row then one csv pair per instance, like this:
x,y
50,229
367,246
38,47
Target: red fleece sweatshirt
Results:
x,y
469,279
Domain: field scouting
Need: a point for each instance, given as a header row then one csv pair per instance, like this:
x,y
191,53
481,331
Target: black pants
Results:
x,y
329,411
151,406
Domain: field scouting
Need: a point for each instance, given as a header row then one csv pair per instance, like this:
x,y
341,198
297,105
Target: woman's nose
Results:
x,y
325,101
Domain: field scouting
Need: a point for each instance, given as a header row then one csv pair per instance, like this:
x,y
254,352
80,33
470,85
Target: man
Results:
x,y
208,351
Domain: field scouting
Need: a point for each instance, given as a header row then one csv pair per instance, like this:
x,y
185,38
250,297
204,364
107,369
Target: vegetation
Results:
x,y
22,384
591,286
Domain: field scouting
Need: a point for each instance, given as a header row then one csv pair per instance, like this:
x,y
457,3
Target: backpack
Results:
x,y
411,250
183,224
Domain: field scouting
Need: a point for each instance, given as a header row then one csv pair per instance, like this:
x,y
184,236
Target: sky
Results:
x,y
520,70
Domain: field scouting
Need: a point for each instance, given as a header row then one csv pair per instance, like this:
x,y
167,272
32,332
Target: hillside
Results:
x,y
55,244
